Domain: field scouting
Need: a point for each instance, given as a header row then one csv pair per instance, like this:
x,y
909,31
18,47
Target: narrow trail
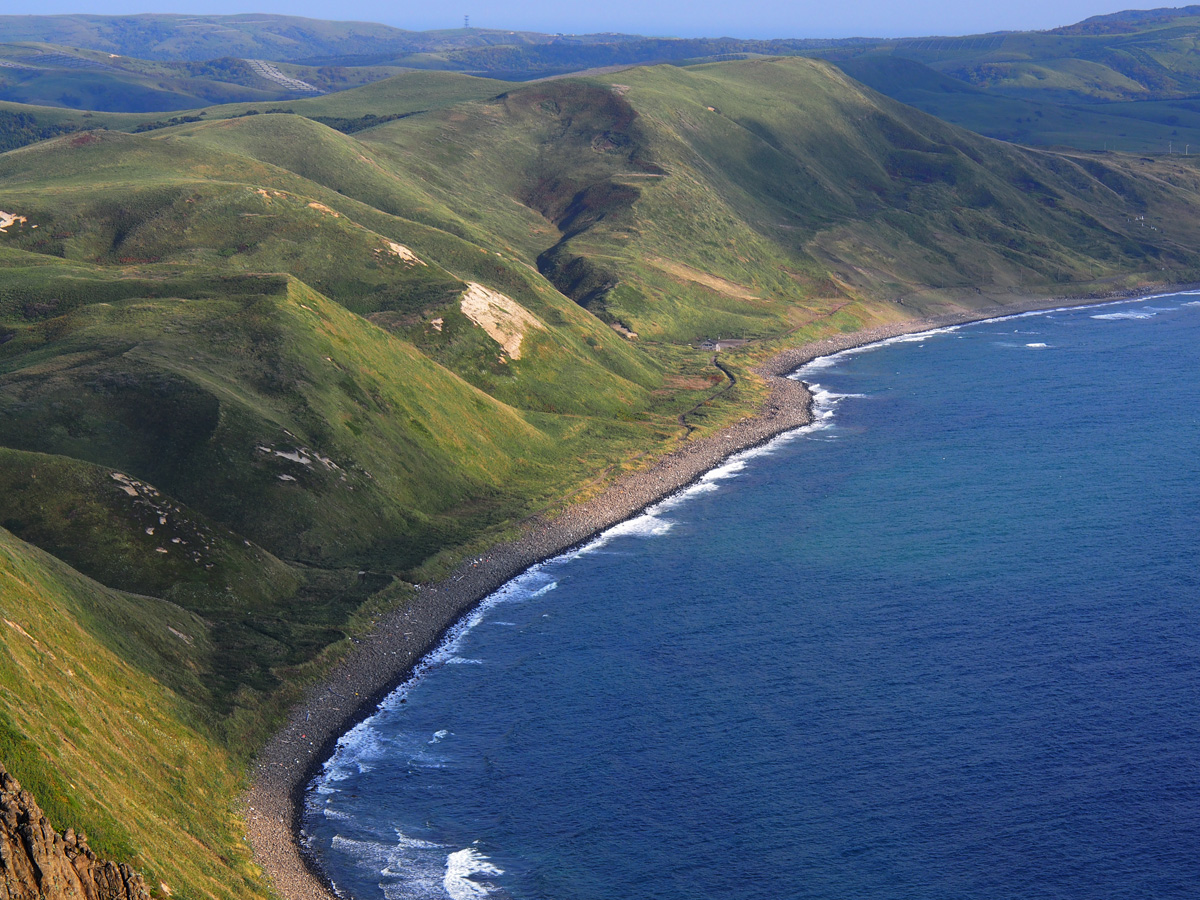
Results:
x,y
732,382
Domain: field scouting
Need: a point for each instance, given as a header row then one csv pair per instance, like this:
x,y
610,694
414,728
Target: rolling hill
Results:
x,y
51,75
1124,81
265,367
316,42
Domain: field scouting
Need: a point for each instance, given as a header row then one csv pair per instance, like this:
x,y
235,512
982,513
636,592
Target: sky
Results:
x,y
711,18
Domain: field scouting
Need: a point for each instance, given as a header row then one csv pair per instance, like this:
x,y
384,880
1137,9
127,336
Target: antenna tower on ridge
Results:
x,y
466,21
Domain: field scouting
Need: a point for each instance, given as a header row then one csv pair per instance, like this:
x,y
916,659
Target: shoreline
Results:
x,y
273,804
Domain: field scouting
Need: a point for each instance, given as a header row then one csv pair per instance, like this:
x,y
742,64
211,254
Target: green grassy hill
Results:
x,y
58,76
1125,81
745,198
97,717
349,111
258,373
1122,82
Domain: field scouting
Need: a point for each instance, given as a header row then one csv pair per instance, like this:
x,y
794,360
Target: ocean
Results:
x,y
944,643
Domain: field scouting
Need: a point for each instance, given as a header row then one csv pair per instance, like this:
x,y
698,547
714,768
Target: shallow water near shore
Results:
x,y
945,644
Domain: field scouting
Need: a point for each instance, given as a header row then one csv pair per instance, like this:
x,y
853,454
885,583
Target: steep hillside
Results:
x,y
99,740
263,368
749,198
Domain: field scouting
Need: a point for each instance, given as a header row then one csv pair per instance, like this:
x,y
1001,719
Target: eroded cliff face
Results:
x,y
38,863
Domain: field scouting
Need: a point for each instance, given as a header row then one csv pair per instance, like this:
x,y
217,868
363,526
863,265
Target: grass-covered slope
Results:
x,y
296,422
1143,126
750,198
257,372
102,742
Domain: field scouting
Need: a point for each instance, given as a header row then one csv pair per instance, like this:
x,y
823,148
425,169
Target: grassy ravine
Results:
x,y
242,408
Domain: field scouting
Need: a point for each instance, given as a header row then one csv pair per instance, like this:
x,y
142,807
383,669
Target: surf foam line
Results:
x,y
829,360
358,747
358,744
362,742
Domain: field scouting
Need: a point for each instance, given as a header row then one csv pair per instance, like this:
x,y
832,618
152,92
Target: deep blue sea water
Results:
x,y
944,645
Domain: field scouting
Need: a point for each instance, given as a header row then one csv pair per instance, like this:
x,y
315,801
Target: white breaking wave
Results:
x,y
463,864
1037,346
1132,314
409,869
367,744
461,661
826,362
363,740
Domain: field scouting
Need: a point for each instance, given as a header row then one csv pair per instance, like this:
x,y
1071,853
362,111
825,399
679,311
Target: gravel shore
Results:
x,y
381,661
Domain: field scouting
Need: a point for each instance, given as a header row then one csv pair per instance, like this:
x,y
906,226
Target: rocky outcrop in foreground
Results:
x,y
38,863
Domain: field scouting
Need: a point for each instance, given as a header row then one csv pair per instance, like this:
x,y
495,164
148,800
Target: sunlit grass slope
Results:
x,y
86,720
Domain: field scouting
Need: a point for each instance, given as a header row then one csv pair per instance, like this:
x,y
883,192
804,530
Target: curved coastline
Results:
x,y
274,802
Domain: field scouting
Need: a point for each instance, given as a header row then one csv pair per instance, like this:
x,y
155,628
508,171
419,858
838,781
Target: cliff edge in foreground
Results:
x,y
38,863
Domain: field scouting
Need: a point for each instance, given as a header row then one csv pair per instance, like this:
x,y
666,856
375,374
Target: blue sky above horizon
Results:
x,y
710,18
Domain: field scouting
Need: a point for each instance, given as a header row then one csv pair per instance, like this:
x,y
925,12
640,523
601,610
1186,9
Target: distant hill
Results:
x,y
1122,81
1129,20
52,75
1154,126
1137,55
183,37
499,53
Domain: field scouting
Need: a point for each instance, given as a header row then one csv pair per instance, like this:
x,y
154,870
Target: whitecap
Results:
x,y
409,869
1132,314
462,661
460,867
355,749
438,736
1038,346
645,525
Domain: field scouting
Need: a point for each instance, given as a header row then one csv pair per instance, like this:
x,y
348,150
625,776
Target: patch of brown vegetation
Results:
x,y
712,282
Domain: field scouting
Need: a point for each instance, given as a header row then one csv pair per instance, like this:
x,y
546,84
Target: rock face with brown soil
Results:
x,y
38,863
